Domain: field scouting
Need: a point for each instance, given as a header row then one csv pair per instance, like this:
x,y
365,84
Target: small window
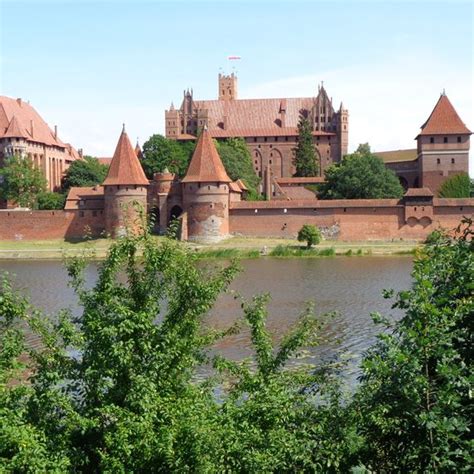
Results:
x,y
265,139
254,139
438,161
445,140
431,139
452,160
459,139
286,139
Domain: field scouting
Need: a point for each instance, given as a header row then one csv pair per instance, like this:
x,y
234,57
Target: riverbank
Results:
x,y
233,247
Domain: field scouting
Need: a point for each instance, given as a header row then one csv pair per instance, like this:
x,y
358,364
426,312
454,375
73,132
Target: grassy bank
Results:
x,y
235,247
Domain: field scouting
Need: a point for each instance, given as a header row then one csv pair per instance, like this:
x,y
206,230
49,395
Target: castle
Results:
x,y
24,133
269,128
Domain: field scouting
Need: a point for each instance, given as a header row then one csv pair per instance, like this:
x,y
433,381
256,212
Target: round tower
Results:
x,y
125,191
206,193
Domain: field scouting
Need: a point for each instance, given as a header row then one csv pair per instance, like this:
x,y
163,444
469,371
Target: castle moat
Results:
x,y
350,286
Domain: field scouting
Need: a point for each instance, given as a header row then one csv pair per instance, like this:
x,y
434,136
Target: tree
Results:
x,y
310,234
304,154
160,153
360,175
22,181
457,186
51,201
115,389
237,162
414,404
86,172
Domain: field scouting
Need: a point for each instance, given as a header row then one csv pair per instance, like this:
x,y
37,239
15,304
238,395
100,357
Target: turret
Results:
x,y
342,128
125,191
228,87
172,122
206,193
443,145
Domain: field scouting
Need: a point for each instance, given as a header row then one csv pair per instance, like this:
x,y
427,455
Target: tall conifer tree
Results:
x,y
305,156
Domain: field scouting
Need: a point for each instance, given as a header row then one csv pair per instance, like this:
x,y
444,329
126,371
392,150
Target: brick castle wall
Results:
x,y
43,225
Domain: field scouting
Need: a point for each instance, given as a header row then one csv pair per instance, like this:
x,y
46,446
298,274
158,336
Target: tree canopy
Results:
x,y
21,181
360,175
86,172
310,234
237,162
304,159
160,153
457,186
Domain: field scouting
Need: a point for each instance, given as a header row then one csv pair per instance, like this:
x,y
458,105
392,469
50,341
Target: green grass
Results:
x,y
293,251
228,253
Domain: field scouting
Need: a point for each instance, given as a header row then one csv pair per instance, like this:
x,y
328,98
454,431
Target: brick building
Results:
x,y
442,150
23,132
268,126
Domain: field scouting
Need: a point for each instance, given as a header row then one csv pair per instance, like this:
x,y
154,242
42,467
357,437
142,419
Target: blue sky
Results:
x,y
89,66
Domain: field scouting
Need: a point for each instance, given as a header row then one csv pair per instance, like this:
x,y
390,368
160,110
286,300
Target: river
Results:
x,y
349,286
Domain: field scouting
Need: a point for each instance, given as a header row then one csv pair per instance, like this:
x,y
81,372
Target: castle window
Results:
x,y
445,140
276,139
431,139
459,139
344,127
265,139
452,160
438,161
271,154
286,139
270,161
254,139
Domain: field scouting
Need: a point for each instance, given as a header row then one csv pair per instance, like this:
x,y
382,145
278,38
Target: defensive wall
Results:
x,y
44,225
347,220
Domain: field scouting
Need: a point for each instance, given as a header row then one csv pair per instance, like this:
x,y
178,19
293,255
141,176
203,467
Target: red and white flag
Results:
x,y
231,58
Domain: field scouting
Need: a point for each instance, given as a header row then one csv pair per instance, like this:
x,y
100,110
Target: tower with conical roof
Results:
x,y
443,146
206,193
125,190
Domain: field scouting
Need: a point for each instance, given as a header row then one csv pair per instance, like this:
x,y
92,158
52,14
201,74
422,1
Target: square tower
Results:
x,y
228,87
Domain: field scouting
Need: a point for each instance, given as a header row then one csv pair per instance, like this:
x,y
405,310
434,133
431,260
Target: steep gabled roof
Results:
x,y
443,120
125,167
206,165
13,130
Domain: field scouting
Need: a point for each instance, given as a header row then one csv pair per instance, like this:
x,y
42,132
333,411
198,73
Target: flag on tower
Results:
x,y
231,58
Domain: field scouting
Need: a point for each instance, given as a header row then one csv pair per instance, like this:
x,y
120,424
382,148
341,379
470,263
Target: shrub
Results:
x,y
51,201
310,234
457,186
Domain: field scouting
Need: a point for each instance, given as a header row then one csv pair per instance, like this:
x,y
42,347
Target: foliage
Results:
x,y
310,234
50,200
21,182
160,153
237,161
115,389
305,156
457,186
297,251
414,404
86,172
360,175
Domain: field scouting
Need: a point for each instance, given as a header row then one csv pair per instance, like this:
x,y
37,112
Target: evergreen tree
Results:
x,y
305,155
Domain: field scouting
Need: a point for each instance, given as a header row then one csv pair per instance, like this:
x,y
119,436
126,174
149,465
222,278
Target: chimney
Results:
x,y
55,132
32,128
19,101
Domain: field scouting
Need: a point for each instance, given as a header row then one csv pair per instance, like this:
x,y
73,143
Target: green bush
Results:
x,y
51,201
457,186
310,234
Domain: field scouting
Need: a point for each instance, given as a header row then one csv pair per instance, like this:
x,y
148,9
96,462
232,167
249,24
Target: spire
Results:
x,y
206,165
125,167
138,150
443,119
13,130
172,106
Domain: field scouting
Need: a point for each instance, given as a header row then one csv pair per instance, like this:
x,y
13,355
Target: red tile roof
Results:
x,y
125,167
206,165
138,151
25,115
301,180
85,198
443,120
254,115
14,130
105,160
417,192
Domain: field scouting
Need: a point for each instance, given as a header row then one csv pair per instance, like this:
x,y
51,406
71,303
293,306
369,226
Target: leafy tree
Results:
x,y
87,172
21,181
160,152
49,200
305,156
360,175
237,161
457,186
115,389
415,402
310,234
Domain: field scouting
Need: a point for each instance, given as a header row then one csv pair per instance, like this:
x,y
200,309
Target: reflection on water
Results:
x,y
351,286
